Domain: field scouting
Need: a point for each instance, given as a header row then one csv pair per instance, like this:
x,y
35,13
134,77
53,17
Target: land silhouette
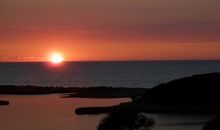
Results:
x,y
195,94
197,89
198,93
83,92
126,120
71,92
4,102
213,124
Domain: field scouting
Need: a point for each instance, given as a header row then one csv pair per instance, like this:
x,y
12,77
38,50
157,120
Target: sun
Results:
x,y
56,58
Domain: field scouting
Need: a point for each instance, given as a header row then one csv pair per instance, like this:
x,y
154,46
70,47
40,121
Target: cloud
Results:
x,y
23,58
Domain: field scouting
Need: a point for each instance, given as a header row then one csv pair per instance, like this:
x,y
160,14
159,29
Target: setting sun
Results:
x,y
56,58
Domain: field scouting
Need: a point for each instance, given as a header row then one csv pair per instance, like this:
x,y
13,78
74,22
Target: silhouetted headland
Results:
x,y
195,94
197,89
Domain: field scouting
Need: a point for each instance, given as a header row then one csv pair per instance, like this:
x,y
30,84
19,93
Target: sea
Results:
x,y
144,74
47,112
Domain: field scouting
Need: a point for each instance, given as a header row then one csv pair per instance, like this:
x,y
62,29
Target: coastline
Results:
x,y
169,98
73,92
195,94
143,100
152,108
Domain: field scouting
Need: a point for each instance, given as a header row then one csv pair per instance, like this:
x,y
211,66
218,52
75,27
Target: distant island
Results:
x,y
84,92
72,92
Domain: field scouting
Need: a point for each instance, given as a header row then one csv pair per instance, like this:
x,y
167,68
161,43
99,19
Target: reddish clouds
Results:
x,y
109,30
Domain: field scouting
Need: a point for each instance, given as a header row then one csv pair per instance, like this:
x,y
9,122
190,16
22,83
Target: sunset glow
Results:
x,y
93,31
56,58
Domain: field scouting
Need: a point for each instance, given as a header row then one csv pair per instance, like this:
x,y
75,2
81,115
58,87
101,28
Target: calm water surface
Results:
x,y
116,74
50,112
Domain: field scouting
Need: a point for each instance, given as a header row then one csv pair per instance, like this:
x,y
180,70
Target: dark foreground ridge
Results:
x,y
197,89
213,124
126,120
195,94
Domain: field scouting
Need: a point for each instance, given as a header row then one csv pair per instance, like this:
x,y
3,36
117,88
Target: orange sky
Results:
x,y
84,30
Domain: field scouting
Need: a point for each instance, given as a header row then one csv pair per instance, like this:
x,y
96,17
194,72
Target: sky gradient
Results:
x,y
30,30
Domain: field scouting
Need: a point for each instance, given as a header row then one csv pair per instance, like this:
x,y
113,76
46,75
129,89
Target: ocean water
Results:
x,y
30,112
89,74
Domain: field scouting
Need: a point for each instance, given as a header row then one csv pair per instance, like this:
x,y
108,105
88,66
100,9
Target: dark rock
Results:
x,y
4,103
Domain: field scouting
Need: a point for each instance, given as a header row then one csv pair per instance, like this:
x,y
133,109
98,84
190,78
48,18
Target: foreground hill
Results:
x,y
213,124
197,89
198,93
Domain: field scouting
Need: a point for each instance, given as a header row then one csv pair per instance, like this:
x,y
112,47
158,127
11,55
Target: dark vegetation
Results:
x,y
126,120
199,93
213,124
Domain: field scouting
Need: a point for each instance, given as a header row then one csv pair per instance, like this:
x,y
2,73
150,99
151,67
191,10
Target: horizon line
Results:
x,y
168,60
